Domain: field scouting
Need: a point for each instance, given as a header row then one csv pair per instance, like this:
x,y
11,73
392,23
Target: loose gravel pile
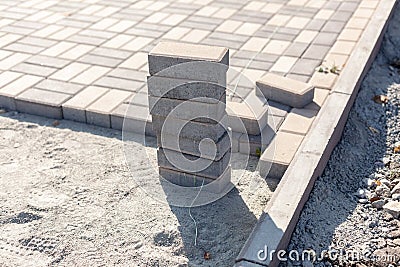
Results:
x,y
352,215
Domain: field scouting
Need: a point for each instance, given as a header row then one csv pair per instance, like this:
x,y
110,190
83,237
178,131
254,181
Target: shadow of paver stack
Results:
x,y
187,98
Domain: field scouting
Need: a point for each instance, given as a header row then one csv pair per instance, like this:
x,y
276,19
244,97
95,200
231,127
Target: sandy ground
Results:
x,y
335,217
68,199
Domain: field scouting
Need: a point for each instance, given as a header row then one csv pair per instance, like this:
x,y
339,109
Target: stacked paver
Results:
x,y
187,97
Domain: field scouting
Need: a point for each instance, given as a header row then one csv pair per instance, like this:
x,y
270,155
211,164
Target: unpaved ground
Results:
x,y
336,217
67,198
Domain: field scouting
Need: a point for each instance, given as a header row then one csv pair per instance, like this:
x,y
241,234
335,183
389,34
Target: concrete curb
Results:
x,y
276,224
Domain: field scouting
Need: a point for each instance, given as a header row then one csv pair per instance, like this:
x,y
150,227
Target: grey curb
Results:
x,y
280,217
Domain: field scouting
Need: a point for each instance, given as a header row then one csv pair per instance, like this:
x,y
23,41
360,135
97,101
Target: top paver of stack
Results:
x,y
167,58
285,90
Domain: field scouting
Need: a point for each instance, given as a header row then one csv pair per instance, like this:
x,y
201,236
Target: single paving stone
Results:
x,y
191,146
185,109
171,159
190,180
186,89
277,157
74,109
167,54
189,129
41,102
132,118
59,86
285,90
248,117
299,121
98,113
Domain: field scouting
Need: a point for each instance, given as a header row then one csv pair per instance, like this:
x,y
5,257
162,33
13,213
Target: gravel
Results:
x,y
347,211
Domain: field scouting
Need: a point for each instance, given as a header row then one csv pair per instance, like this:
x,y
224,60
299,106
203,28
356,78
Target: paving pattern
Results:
x,y
84,60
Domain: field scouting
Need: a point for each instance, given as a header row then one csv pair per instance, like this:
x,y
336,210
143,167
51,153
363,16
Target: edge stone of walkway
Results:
x,y
277,223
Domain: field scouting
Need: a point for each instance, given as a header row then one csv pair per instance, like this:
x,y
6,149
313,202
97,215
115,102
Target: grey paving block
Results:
x,y
296,49
75,108
131,118
59,86
178,161
128,74
100,60
97,118
189,180
48,61
285,90
248,117
191,146
333,26
341,15
41,102
7,102
276,158
305,66
86,40
256,144
189,129
316,24
118,83
186,89
24,48
98,113
34,69
325,38
186,109
315,51
168,54
220,42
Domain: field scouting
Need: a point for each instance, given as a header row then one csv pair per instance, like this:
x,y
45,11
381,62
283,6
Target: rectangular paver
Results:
x,y
98,113
41,102
74,108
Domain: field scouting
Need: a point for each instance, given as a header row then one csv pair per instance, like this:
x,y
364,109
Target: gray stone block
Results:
x,y
7,102
186,89
131,118
98,118
191,146
187,110
247,264
189,61
189,129
190,180
285,90
41,102
74,114
248,117
190,164
256,144
48,111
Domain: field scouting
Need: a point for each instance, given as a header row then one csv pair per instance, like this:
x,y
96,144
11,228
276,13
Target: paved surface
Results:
x,y
84,60
53,50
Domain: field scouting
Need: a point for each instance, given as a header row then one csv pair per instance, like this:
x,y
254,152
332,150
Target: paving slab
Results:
x,y
189,129
285,90
193,165
185,89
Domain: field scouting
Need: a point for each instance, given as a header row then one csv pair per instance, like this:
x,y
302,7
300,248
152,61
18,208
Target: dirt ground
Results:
x,y
68,199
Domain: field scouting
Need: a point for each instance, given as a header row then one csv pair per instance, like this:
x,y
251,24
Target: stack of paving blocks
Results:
x,y
187,97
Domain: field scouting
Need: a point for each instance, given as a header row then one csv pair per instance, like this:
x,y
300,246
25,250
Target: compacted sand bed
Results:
x,y
68,199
